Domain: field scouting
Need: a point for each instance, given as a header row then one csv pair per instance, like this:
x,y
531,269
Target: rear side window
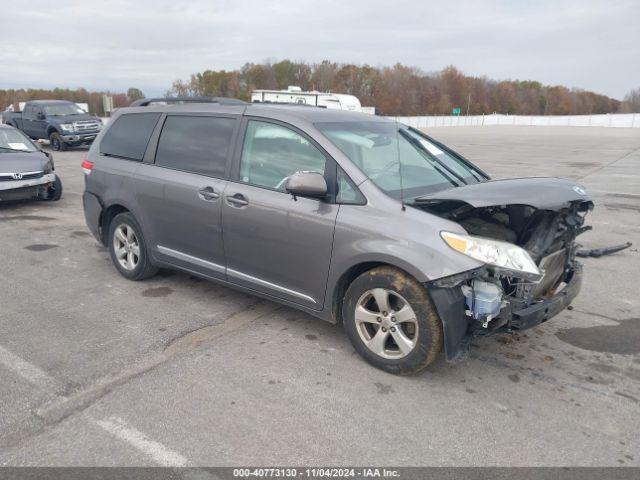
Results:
x,y
129,135
195,144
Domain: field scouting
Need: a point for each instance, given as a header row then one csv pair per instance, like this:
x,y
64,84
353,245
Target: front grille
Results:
x,y
9,177
88,126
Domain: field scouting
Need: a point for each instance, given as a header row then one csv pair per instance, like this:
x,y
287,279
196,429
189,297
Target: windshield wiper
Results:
x,y
439,166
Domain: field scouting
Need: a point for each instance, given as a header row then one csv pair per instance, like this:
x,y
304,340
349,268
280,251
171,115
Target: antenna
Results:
x,y
400,166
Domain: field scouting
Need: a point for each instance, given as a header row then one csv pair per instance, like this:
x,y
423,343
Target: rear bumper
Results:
x,y
92,214
459,329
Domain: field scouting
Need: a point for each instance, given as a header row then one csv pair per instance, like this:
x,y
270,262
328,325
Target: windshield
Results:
x,y
13,140
401,161
63,109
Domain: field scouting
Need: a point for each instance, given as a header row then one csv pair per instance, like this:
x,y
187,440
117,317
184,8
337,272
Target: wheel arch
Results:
x,y
108,213
51,130
353,272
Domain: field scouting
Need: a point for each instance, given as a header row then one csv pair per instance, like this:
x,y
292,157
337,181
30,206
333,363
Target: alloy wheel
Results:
x,y
386,323
126,246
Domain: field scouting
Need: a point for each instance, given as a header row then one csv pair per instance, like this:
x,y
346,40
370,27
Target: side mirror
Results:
x,y
307,184
40,116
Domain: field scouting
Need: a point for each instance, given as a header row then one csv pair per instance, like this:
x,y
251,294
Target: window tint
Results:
x,y
195,144
129,135
272,152
348,193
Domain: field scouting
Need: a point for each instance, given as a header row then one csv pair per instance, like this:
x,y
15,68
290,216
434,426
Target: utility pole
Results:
x,y
468,104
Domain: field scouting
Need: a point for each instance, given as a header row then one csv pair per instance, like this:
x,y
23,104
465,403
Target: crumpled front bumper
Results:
x,y
16,184
458,327
537,313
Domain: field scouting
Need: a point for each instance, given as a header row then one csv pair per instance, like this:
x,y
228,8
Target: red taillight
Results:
x,y
87,166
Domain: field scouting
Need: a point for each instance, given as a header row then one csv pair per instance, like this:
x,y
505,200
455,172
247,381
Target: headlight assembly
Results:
x,y
68,127
499,254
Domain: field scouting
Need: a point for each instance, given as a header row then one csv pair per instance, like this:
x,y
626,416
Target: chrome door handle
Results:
x,y
208,194
237,200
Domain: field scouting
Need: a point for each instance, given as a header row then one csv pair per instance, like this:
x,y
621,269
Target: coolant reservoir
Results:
x,y
483,299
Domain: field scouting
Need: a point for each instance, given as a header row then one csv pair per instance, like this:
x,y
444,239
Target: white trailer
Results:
x,y
293,94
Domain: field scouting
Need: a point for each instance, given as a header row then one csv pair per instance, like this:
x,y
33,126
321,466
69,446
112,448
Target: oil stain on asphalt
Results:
x,y
40,247
383,389
623,339
39,218
157,292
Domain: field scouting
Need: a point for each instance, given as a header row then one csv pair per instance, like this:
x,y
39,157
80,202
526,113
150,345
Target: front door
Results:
x,y
276,244
190,166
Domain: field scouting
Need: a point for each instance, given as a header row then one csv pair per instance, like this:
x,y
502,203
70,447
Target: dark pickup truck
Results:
x,y
63,123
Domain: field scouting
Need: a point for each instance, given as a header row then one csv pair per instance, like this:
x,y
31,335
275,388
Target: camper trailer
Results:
x,y
293,94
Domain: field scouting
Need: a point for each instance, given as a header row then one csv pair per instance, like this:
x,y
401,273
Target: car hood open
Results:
x,y
539,192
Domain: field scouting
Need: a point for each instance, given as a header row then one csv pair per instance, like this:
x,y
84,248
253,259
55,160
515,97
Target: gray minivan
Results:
x,y
349,217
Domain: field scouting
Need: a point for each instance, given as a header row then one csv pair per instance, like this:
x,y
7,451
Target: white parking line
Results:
x,y
26,370
160,454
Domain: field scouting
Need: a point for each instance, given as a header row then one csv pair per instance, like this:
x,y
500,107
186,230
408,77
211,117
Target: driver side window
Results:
x,y
272,152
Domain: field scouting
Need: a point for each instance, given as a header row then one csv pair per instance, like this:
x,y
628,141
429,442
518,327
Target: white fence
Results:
x,y
630,120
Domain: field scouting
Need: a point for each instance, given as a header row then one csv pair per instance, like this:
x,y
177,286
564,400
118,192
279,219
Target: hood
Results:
x,y
22,162
538,192
71,118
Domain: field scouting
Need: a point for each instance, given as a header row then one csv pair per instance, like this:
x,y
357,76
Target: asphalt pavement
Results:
x,y
177,371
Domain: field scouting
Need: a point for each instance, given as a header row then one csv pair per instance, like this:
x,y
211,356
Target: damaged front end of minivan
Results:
x,y
524,232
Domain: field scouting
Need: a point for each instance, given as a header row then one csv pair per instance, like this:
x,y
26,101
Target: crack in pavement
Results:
x,y
613,162
64,406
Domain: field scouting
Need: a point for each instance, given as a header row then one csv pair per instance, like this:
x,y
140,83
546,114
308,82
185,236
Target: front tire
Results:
x,y
128,249
55,191
391,321
57,143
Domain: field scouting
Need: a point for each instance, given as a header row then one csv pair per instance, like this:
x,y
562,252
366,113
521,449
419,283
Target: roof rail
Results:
x,y
145,102
291,104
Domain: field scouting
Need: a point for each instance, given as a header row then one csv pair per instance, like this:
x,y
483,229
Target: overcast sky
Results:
x,y
594,45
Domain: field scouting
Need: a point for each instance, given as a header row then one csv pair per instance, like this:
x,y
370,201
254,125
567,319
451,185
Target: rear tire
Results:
x,y
391,321
57,143
128,249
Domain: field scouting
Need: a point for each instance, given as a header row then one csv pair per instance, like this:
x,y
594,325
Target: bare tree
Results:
x,y
632,101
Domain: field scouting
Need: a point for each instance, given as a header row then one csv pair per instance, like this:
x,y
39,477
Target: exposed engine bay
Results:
x,y
496,298
548,237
